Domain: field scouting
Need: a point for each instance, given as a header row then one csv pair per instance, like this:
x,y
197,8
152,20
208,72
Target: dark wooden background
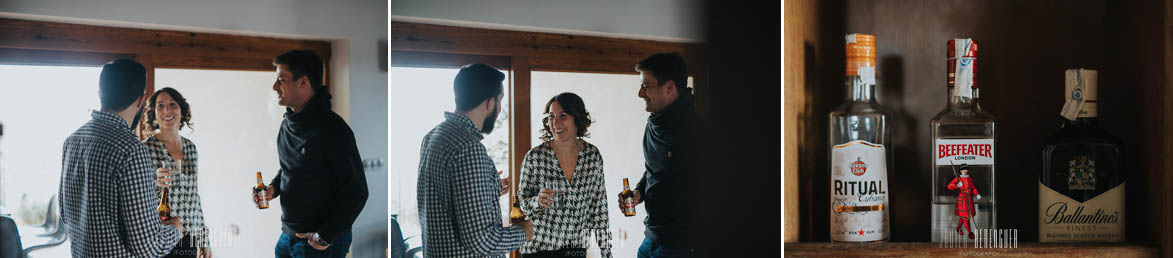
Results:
x,y
1024,48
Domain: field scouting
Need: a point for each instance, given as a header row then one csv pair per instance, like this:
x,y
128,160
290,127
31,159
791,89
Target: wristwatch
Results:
x,y
323,242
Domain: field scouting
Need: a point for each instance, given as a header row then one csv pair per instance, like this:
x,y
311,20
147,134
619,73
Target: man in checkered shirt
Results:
x,y
458,184
107,195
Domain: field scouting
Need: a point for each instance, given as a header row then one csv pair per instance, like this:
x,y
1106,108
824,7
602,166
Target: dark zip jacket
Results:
x,y
321,181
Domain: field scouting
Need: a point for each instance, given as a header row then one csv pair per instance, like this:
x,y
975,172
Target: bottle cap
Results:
x,y
966,49
861,52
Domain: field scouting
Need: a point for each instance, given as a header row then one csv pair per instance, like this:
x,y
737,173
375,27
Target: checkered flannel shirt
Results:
x,y
184,196
578,212
458,195
108,196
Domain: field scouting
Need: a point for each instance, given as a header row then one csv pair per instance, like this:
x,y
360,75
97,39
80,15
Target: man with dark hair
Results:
x,y
458,184
669,145
107,192
321,176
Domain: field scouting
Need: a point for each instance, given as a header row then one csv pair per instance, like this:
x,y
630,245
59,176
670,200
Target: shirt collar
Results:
x,y
462,121
107,117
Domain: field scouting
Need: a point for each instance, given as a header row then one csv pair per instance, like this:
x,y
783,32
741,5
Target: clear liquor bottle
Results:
x,y
861,148
1081,186
963,136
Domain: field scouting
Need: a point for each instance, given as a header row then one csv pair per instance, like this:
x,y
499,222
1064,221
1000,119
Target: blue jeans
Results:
x,y
651,249
289,246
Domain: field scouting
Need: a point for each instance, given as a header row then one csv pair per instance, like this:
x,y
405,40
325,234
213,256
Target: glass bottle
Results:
x,y
963,136
861,149
1081,187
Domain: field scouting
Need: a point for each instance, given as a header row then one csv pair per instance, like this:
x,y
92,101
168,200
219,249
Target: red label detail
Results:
x,y
948,150
858,168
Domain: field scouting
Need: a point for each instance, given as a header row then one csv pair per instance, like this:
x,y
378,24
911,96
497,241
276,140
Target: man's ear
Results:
x,y
303,81
490,103
670,86
141,100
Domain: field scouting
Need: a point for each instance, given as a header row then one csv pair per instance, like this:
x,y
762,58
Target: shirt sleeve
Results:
x,y
641,186
350,185
529,186
276,184
478,218
146,235
600,221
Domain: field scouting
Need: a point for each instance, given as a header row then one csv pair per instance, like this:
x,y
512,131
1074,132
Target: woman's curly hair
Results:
x,y
184,109
573,106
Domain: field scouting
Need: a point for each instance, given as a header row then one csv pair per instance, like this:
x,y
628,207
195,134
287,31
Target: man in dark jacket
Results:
x,y
669,146
321,176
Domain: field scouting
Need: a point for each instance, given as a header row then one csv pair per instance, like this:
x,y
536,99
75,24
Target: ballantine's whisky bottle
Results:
x,y
861,150
1081,187
962,137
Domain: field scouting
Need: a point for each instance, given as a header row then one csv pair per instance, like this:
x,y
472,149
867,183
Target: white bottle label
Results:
x,y
867,74
963,73
1062,219
859,192
964,151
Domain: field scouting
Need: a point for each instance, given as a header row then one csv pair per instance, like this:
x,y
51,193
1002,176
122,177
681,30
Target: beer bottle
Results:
x,y
164,208
261,189
515,215
628,203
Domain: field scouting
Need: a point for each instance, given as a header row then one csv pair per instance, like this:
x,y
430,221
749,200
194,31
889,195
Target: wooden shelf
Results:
x,y
1025,47
1065,250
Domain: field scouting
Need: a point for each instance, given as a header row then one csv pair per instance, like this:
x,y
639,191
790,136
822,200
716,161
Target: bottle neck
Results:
x,y
1082,122
1087,116
961,100
858,91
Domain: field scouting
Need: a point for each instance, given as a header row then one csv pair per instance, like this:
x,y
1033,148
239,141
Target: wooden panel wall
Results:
x,y
800,29
175,49
1025,47
547,51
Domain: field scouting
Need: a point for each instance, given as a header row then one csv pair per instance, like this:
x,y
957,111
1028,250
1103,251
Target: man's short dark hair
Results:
x,y
302,63
121,82
474,84
666,67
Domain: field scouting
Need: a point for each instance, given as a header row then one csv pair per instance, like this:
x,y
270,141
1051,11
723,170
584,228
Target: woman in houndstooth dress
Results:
x,y
177,162
562,186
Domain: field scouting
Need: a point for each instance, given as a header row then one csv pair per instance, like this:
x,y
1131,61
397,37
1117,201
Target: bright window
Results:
x,y
418,102
235,117
40,106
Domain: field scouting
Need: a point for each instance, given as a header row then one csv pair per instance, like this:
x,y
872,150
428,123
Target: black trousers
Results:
x,y
564,252
185,249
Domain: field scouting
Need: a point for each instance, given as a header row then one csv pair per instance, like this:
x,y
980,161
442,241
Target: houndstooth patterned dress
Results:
x,y
184,196
107,196
577,213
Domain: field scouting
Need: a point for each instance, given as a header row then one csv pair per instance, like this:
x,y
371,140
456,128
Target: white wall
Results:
x,y
355,27
667,20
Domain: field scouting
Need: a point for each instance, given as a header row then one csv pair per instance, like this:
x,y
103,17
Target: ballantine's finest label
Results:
x,y
1099,219
859,192
967,151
